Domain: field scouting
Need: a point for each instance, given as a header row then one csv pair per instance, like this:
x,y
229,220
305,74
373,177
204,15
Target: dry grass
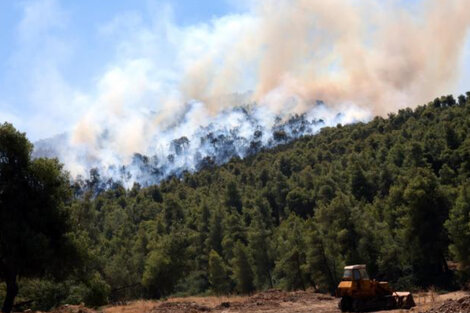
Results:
x,y
139,306
209,301
427,299
271,303
146,306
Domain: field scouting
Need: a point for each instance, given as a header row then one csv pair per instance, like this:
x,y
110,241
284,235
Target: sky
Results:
x,y
60,60
53,52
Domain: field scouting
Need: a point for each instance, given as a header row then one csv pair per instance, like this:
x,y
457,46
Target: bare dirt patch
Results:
x,y
274,301
72,309
267,302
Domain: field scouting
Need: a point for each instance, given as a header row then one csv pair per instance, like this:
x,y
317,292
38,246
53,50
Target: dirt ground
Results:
x,y
275,301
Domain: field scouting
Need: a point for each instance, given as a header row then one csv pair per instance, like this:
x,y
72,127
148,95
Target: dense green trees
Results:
x,y
165,265
290,254
261,252
392,193
35,237
377,193
458,226
426,209
218,276
242,273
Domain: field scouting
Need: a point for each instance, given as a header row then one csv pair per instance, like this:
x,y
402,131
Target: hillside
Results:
x,y
392,193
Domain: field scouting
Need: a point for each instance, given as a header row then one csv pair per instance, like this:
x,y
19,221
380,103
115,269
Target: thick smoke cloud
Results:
x,y
374,53
362,58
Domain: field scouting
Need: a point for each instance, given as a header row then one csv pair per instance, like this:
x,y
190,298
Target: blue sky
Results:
x,y
64,43
56,56
77,25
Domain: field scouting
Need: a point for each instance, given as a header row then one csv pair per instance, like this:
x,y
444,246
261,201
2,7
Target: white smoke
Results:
x,y
275,60
197,140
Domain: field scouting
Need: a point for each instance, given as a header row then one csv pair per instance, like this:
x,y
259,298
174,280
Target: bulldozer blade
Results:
x,y
404,299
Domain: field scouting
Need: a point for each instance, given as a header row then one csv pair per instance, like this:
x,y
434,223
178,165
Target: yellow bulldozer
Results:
x,y
359,293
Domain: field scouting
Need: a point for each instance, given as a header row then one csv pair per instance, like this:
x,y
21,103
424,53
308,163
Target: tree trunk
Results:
x,y
299,273
12,291
271,285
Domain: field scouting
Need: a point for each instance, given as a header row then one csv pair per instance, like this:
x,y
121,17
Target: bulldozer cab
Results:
x,y
355,273
355,282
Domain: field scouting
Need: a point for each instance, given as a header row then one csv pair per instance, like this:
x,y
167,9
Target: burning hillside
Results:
x,y
248,81
239,132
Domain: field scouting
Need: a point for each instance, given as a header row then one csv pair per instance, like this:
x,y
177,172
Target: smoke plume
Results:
x,y
182,95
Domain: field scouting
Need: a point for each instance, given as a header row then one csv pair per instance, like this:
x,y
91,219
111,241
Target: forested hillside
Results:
x,y
393,193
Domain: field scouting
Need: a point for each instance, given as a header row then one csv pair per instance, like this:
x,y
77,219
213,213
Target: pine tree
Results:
x,y
259,247
458,226
218,275
335,224
202,233
166,264
234,231
359,185
216,232
290,250
424,235
242,273
232,197
319,262
35,224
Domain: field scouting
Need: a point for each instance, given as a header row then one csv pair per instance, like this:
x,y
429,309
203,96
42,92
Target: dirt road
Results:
x,y
275,301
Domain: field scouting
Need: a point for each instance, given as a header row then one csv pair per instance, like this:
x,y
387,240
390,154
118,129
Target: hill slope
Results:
x,y
391,193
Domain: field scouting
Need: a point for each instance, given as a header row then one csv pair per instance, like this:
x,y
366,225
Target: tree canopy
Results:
x,y
34,223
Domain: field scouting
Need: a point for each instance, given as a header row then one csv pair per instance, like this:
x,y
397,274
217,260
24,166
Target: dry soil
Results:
x,y
275,301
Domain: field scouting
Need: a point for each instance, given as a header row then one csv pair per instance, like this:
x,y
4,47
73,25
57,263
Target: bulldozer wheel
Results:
x,y
345,304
